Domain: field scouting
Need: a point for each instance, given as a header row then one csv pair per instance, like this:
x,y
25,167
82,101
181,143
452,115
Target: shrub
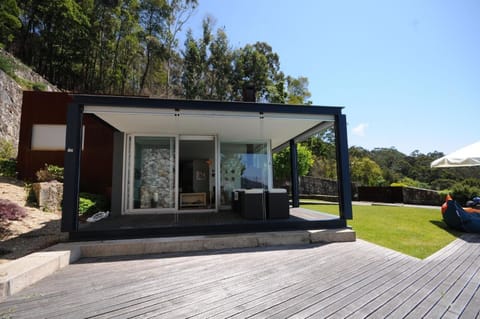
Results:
x,y
7,151
11,211
410,182
8,167
50,173
85,205
443,193
91,203
39,86
6,65
442,183
464,191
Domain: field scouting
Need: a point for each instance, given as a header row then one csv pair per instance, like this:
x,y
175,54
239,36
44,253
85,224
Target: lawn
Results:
x,y
418,232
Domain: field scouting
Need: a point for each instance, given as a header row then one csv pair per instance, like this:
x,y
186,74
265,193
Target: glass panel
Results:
x,y
154,173
242,166
196,173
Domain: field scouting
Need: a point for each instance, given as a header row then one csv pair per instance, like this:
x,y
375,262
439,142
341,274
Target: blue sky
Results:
x,y
407,72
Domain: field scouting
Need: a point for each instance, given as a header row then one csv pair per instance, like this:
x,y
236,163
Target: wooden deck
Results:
x,y
340,280
198,219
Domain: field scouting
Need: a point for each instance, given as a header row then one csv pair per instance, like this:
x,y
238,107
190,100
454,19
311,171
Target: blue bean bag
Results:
x,y
457,218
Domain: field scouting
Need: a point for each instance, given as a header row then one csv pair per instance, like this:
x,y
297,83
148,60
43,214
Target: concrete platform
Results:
x,y
20,273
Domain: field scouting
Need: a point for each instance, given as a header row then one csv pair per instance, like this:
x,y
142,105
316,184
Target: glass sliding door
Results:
x,y
243,165
152,179
196,183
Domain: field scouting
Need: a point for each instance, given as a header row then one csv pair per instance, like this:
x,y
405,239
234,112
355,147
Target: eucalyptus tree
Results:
x,y
207,72
123,70
153,19
220,70
51,36
180,11
192,82
255,65
10,22
297,90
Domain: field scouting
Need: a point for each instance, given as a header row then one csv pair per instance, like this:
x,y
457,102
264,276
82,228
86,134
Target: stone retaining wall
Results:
x,y
11,95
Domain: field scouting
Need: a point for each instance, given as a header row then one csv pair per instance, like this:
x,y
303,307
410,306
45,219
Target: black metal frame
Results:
x,y
73,154
71,180
294,173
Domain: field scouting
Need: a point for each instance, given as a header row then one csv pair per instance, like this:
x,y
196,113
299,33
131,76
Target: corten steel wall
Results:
x,y
51,108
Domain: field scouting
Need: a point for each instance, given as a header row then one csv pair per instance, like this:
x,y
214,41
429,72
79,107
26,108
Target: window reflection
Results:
x,y
242,166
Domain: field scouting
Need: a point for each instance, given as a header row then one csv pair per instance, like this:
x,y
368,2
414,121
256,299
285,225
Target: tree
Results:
x,y
365,172
322,146
257,65
207,65
393,163
281,162
357,151
9,21
51,39
153,17
127,50
192,74
180,13
220,68
297,91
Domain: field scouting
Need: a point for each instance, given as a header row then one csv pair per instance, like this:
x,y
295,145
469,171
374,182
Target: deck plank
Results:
x,y
453,286
340,280
395,297
434,283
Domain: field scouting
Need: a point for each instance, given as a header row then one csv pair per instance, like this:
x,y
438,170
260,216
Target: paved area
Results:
x,y
337,280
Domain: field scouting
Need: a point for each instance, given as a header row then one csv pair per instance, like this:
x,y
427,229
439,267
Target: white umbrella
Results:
x,y
466,156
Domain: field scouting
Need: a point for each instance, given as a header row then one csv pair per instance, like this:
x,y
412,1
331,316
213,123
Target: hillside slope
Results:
x,y
15,77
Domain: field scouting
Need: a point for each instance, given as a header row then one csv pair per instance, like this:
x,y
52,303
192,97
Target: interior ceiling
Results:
x,y
241,126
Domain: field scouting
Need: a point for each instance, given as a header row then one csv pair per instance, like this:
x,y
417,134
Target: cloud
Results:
x,y
360,129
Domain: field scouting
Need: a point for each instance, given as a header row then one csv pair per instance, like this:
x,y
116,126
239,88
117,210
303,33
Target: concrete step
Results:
x,y
20,273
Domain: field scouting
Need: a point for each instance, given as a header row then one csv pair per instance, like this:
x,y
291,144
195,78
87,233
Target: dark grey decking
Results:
x,y
336,280
197,219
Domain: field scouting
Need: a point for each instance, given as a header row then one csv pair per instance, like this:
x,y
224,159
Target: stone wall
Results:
x,y
158,175
406,195
421,196
10,109
314,185
11,94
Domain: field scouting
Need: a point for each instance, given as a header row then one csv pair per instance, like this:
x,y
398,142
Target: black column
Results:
x,y
117,174
71,182
294,173
343,168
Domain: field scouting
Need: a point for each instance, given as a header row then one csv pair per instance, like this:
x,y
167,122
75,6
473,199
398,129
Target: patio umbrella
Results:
x,y
466,156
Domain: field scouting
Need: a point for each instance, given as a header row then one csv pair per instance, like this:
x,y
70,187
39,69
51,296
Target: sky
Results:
x,y
407,72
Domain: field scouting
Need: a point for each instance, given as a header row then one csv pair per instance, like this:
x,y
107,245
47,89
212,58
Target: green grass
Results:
x,y
418,232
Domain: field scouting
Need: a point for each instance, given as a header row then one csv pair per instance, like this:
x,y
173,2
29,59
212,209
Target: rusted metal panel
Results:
x,y
51,108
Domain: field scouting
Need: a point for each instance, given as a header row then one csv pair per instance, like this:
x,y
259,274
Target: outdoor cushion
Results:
x,y
457,218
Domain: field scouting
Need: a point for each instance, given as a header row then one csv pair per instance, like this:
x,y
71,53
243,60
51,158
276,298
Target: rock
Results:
x,y
49,195
11,96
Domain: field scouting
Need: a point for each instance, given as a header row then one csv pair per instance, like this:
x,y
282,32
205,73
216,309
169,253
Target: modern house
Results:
x,y
173,166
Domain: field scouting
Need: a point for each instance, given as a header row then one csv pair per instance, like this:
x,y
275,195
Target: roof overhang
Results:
x,y
227,120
